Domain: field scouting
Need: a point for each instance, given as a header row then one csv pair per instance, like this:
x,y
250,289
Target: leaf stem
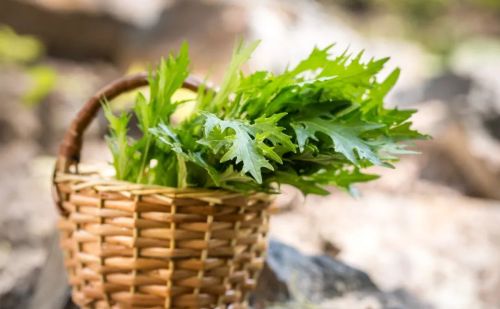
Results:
x,y
144,159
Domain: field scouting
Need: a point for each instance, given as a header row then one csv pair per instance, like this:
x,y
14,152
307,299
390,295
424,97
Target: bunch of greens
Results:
x,y
315,125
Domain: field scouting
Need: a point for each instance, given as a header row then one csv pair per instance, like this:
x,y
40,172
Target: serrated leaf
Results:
x,y
269,129
345,138
307,186
117,141
241,145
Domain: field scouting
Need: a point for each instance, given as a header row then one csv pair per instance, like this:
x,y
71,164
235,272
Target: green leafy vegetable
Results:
x,y
317,124
118,142
345,138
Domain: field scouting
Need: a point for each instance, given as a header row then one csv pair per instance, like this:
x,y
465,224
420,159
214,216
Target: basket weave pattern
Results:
x,y
134,246
143,246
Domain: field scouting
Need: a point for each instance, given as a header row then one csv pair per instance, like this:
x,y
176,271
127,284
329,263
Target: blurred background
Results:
x,y
426,235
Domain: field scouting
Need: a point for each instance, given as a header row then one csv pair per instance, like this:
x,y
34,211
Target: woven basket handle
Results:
x,y
70,149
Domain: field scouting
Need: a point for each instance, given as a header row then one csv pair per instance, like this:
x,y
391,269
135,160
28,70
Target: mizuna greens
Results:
x,y
317,124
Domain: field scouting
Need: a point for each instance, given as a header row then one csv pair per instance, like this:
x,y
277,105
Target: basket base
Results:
x,y
145,248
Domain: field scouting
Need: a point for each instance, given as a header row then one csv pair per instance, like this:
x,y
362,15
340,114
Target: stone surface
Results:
x,y
43,125
26,221
440,246
75,84
312,277
124,32
19,277
292,279
17,122
98,36
465,102
52,280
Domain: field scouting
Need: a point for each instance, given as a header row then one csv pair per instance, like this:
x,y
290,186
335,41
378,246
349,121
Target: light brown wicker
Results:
x,y
142,246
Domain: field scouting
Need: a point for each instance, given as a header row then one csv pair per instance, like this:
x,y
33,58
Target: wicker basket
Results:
x,y
141,246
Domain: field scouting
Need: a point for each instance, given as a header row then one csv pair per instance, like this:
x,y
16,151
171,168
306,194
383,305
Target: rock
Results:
x,y
17,121
18,277
27,220
270,288
448,87
295,279
75,84
131,12
210,27
52,280
44,123
439,246
479,60
123,32
315,277
451,160
99,36
466,134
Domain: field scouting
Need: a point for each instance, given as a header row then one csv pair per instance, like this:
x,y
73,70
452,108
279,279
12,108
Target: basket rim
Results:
x,y
94,178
